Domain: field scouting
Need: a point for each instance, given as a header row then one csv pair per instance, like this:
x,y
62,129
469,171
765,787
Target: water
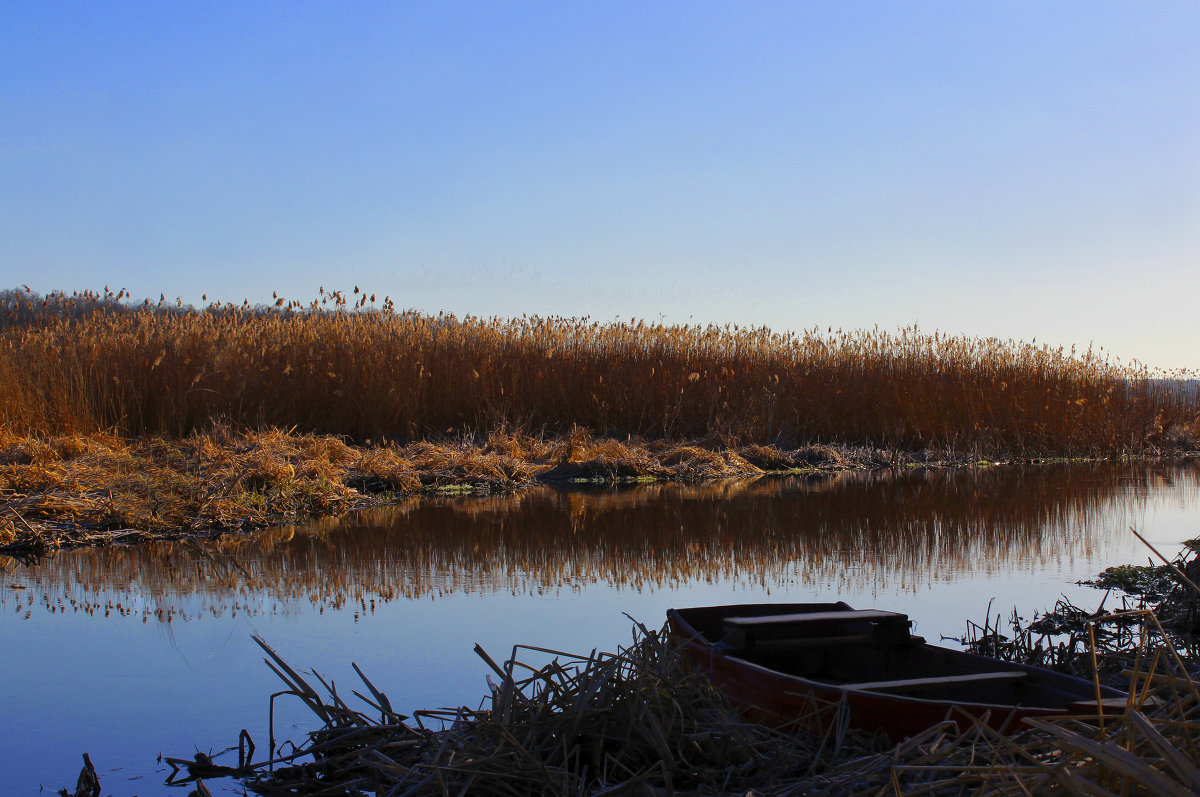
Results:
x,y
126,653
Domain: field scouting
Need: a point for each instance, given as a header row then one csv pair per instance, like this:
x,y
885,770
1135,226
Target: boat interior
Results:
x,y
872,650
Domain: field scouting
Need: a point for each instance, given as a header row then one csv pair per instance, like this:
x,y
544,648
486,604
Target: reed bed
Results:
x,y
345,365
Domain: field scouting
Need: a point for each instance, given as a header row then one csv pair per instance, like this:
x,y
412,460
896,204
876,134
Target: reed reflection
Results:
x,y
842,532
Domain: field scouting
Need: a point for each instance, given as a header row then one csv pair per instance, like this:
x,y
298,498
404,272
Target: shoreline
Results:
x,y
67,491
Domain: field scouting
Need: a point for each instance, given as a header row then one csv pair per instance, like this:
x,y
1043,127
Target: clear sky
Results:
x,y
1017,169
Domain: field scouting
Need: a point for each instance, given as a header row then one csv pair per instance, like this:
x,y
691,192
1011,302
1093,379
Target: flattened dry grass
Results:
x,y
92,488
93,361
96,488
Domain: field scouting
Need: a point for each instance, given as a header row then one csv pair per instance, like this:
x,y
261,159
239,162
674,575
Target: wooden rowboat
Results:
x,y
782,662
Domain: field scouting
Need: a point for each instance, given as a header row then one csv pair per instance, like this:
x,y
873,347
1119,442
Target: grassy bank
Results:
x,y
344,366
73,489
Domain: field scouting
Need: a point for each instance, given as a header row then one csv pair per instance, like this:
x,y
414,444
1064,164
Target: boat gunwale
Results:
x,y
890,696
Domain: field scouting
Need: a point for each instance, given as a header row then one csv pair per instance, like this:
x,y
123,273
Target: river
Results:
x,y
129,652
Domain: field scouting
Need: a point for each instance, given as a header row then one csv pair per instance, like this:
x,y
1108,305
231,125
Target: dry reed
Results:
x,y
342,366
1065,637
638,721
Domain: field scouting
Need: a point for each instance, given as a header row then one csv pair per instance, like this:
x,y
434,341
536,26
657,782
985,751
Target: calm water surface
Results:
x,y
128,652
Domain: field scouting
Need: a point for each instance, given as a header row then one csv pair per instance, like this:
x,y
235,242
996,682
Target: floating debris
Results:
x,y
1076,641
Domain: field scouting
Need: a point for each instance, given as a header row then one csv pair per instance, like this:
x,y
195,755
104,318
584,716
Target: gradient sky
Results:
x,y
1016,169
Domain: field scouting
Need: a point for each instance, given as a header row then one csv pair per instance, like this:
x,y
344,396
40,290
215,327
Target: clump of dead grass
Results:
x,y
637,721
774,458
70,489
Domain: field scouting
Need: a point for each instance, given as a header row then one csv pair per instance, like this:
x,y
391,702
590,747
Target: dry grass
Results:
x,y
95,488
636,722
94,362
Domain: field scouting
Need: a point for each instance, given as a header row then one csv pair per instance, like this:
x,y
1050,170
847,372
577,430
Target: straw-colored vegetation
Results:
x,y
89,362
118,417
96,488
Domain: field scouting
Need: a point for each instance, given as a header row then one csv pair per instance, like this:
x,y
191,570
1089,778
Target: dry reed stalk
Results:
x,y
94,361
635,721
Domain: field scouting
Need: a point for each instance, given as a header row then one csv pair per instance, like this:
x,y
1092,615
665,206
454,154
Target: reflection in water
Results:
x,y
845,532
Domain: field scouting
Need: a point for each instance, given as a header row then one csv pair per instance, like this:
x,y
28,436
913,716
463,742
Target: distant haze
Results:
x,y
1019,169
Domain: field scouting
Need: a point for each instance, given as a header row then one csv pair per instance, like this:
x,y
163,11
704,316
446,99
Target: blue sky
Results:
x,y
1010,169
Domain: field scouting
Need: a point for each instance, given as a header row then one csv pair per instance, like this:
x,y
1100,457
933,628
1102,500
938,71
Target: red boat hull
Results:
x,y
798,703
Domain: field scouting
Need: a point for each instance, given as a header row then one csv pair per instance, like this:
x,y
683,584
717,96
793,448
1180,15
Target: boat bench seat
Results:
x,y
848,615
937,680
751,633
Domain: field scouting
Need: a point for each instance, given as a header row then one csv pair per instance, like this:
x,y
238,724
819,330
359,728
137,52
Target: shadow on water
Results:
x,y
841,531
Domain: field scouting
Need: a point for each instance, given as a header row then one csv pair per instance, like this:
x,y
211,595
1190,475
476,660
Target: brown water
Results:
x,y
128,652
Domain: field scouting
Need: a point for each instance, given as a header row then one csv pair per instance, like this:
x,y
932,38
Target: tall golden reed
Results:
x,y
94,361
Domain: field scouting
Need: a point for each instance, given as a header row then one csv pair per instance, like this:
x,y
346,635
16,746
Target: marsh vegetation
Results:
x,y
121,420
91,362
